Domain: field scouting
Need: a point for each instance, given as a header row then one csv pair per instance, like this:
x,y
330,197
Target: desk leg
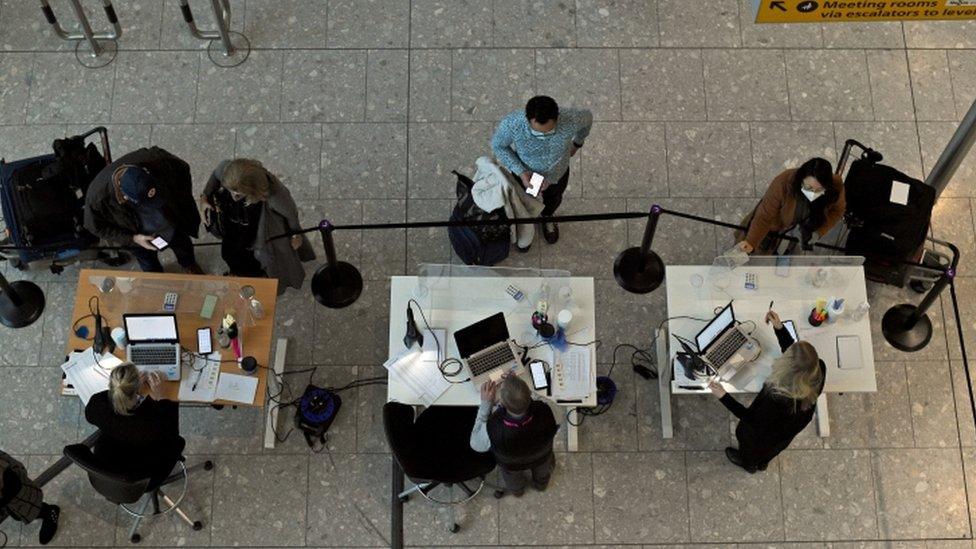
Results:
x,y
664,382
572,434
823,419
271,420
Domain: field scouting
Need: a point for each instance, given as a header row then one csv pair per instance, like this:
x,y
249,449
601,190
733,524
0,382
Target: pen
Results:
x,y
691,387
770,305
199,375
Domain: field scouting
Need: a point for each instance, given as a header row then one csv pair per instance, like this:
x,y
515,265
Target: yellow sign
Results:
x,y
834,11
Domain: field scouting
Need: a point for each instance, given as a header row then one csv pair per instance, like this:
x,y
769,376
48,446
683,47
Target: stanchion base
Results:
x,y
894,326
638,273
30,308
218,54
83,53
337,286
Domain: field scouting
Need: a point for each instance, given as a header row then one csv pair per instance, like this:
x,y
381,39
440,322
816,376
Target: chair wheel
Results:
x,y
405,498
136,538
455,528
499,494
207,465
198,525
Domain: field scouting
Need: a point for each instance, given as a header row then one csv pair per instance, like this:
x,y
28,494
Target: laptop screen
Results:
x,y
139,328
481,335
722,321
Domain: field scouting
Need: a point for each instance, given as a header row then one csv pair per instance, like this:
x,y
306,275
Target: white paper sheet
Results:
x,y
418,369
202,372
87,377
236,388
571,378
899,193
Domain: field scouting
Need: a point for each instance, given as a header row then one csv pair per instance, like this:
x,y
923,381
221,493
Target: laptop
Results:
x,y
486,348
154,343
721,341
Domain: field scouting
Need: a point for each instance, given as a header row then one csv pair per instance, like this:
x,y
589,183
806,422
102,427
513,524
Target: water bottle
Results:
x,y
862,309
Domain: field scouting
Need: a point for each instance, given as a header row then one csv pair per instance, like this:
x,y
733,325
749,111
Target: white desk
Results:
x,y
455,302
696,291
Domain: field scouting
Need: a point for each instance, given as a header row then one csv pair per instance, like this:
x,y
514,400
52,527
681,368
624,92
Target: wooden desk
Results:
x,y
145,295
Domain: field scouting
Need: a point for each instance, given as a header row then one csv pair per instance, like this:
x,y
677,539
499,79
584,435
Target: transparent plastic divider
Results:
x,y
778,277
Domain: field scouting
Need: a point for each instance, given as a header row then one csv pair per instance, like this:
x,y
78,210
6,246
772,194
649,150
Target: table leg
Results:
x,y
823,419
572,434
664,382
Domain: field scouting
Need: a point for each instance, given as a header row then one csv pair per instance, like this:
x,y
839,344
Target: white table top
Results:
x,y
697,290
455,302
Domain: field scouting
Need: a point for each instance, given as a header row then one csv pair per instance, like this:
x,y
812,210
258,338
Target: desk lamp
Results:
x,y
21,303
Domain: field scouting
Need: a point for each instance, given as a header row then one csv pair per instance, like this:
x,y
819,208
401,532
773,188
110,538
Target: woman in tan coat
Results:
x,y
809,198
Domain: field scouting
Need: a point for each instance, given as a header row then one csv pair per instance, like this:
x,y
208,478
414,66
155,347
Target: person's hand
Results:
x,y
716,388
296,241
488,391
573,149
205,206
773,317
155,383
144,240
526,178
745,247
544,186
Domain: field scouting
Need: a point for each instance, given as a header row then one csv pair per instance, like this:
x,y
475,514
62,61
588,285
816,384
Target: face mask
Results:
x,y
811,195
537,133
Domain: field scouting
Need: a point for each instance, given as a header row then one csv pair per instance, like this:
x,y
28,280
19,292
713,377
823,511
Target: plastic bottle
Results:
x,y
861,310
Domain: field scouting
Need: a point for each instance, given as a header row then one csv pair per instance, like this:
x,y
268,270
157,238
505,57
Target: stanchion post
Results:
x,y
955,151
236,46
98,55
336,284
21,302
907,327
640,270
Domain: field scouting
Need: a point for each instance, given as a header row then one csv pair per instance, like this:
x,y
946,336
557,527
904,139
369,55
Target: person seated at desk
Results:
x,y
22,499
519,433
140,434
809,198
783,407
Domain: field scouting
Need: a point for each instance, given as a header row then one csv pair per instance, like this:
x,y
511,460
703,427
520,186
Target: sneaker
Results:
x,y
733,455
550,231
524,250
49,523
193,269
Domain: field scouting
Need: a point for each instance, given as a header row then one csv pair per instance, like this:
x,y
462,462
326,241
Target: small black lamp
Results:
x,y
336,284
640,270
21,303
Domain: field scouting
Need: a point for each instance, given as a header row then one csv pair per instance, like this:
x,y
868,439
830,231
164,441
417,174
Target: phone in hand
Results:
x,y
539,381
535,184
159,243
204,341
791,328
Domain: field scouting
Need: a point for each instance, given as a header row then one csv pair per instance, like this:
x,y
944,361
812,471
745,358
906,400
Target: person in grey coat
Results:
x,y
245,205
21,498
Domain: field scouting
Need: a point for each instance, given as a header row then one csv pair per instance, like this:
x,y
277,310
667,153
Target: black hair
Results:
x,y
542,109
821,170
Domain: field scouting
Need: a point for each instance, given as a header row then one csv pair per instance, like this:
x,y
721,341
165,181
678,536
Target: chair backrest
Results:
x,y
112,485
398,425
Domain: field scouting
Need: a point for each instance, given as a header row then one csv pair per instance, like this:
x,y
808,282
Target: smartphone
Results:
x,y
535,184
539,381
791,328
204,341
159,243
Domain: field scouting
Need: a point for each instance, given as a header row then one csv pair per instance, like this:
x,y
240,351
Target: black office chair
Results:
x,y
124,490
434,449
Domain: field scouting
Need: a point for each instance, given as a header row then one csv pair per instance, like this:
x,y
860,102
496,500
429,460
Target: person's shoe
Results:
x,y
193,269
49,523
550,231
524,250
540,486
733,455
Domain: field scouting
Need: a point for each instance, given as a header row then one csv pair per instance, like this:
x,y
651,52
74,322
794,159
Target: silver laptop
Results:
x,y
487,350
720,341
154,343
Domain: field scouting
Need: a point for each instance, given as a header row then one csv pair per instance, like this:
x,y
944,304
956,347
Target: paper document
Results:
x,y
419,369
85,375
236,388
571,378
899,193
202,373
849,352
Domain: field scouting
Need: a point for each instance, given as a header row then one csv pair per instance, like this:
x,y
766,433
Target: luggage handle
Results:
x,y
103,134
867,152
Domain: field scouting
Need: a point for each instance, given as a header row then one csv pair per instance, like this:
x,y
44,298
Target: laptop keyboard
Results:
x,y
723,350
491,359
153,355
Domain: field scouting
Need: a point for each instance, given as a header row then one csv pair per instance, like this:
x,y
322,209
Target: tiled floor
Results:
x,y
363,107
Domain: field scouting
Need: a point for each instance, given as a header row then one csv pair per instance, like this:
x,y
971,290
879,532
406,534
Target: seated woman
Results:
x,y
809,198
140,435
783,407
244,205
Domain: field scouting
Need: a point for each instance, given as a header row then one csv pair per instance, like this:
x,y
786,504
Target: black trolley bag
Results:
x,y
43,200
478,244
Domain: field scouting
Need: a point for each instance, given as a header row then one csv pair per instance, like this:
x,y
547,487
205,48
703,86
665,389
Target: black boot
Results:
x,y
49,523
733,455
550,231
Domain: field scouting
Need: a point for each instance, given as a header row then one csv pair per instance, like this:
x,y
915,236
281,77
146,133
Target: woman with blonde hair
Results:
x,y
783,407
140,430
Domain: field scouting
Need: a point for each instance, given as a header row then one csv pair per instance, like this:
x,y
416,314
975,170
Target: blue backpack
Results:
x,y
484,245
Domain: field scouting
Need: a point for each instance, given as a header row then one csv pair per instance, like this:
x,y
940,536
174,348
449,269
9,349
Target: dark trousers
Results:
x,y
181,246
515,479
240,258
552,197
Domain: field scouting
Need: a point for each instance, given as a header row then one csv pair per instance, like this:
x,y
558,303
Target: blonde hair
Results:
x,y
247,177
123,388
796,375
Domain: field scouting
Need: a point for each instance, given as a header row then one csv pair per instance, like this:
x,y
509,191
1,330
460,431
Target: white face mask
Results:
x,y
811,195
537,133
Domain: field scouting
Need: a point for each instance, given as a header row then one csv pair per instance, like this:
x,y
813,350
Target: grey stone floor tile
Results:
x,y
940,34
202,146
341,438
684,24
746,85
176,35
662,85
427,524
436,149
292,312
929,70
776,35
952,220
609,24
209,431
24,28
963,70
290,151
348,500
964,412
863,35
122,138
873,420
891,89
744,507
370,436
828,495
616,429
364,160
61,92
837,95
430,85
674,234
777,146
874,545
581,78
450,24
587,249
532,24
699,422
709,159
324,86
969,465
882,298
920,493
19,142
561,514
386,85
368,336
730,210
286,23
15,80
153,87
640,497
87,519
429,245
248,93
384,250
624,159
510,71
933,406
59,301
897,141
39,418
386,26
260,500
933,137
965,293
614,309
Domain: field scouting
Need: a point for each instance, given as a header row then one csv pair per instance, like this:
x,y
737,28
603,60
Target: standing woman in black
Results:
x,y
783,407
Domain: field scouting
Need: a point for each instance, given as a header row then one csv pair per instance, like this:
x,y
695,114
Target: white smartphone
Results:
x,y
791,328
159,243
535,184
204,341
539,381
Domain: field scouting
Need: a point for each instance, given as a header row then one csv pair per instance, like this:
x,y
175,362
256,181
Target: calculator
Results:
x,y
750,281
169,302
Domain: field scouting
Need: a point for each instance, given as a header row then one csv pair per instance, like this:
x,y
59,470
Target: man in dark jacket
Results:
x,y
519,433
142,195
21,498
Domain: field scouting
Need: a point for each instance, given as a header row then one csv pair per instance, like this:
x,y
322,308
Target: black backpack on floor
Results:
x,y
478,245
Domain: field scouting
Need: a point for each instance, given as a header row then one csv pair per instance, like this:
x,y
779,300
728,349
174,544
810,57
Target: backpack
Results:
x,y
479,245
